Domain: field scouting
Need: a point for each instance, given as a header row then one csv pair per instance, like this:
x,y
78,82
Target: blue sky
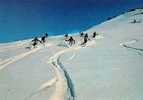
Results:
x,y
21,19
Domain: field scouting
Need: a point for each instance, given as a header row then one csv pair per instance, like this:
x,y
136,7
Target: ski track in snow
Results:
x,y
4,61
62,75
16,58
136,50
60,81
43,87
11,60
129,42
48,84
73,55
13,46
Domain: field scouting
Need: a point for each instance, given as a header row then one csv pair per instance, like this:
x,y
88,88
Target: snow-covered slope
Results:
x,y
108,68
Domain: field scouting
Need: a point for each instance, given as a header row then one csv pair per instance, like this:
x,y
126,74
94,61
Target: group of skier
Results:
x,y
69,39
84,36
42,40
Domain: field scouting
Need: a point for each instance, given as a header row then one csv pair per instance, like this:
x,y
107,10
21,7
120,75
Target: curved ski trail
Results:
x,y
61,74
61,84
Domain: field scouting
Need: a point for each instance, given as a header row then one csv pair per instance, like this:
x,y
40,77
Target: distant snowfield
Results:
x,y
107,68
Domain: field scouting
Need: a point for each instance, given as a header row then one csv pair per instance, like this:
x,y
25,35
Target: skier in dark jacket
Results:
x,y
43,38
81,34
66,37
86,38
94,35
71,41
35,42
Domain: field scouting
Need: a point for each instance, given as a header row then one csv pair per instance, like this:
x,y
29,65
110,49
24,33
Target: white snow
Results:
x,y
107,68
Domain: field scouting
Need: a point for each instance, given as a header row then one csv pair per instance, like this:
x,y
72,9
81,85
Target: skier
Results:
x,y
94,35
85,39
35,42
66,37
81,34
43,38
86,36
71,41
46,35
